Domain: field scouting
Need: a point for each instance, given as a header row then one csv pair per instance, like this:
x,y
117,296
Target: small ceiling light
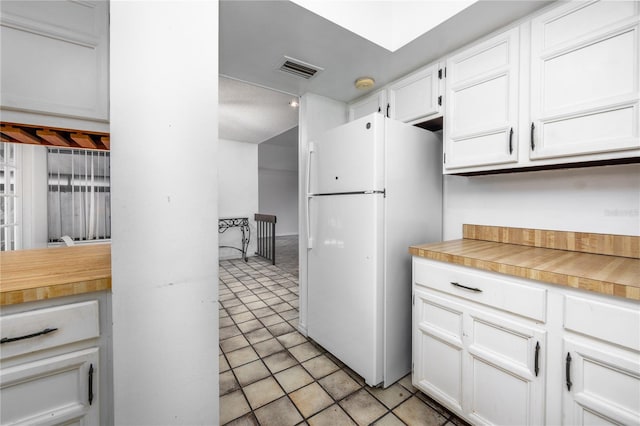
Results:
x,y
294,103
364,83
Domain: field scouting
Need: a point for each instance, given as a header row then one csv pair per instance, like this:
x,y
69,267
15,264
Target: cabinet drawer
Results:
x,y
47,328
482,287
605,321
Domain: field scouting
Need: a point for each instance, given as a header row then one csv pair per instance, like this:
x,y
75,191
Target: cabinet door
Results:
x,y
376,102
416,96
585,58
55,57
481,111
505,370
438,348
601,384
52,391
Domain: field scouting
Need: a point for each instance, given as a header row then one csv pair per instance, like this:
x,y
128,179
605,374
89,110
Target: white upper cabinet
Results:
x,y
416,97
375,102
585,62
481,97
54,58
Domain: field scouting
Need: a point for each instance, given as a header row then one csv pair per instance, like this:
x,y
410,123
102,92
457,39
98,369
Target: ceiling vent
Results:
x,y
299,68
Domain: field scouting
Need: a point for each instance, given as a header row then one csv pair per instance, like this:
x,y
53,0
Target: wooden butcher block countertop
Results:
x,y
29,275
602,263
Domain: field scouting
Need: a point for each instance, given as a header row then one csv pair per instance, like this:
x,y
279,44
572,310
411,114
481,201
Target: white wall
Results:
x,y
237,192
278,180
164,96
317,114
279,197
595,199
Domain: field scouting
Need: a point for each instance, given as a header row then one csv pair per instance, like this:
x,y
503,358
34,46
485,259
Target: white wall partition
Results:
x,y
164,96
237,192
595,199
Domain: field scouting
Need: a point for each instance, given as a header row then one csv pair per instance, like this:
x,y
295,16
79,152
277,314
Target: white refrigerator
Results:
x,y
374,188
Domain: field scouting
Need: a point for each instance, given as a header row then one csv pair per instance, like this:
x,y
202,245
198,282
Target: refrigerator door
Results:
x,y
348,158
345,281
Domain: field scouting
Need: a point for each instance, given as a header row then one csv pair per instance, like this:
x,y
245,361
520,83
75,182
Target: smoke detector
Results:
x,y
299,68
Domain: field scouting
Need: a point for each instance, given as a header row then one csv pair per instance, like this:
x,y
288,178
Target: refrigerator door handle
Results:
x,y
309,196
309,238
309,152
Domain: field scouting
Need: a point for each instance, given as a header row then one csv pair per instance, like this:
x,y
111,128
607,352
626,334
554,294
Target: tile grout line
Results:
x,y
242,281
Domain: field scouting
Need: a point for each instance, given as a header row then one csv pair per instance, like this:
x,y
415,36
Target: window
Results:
x,y
10,234
79,196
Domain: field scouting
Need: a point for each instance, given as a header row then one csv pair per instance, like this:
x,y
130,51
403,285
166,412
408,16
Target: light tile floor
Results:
x,y
272,375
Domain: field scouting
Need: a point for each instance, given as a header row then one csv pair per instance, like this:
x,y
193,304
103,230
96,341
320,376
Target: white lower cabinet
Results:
x,y
601,355
52,391
482,363
602,384
517,359
50,364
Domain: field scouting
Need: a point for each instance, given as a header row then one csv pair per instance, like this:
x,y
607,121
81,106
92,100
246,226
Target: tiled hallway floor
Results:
x,y
272,375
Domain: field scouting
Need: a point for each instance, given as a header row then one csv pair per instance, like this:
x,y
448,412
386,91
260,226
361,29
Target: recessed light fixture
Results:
x,y
364,83
294,103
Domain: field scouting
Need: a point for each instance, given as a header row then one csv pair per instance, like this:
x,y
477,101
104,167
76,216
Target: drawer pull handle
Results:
x,y
536,368
90,384
533,143
568,371
465,287
28,336
511,141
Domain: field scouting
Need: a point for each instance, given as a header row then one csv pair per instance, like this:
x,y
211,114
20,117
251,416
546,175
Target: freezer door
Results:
x,y
348,158
345,273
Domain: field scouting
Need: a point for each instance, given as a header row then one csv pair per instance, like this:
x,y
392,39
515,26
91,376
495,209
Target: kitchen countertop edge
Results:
x,y
435,251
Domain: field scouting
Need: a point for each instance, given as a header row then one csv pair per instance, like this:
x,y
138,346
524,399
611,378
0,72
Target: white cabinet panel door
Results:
x,y
585,62
54,57
438,351
416,96
59,390
602,384
482,104
376,102
504,364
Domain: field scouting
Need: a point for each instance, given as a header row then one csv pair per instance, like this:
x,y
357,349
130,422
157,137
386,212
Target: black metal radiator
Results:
x,y
266,242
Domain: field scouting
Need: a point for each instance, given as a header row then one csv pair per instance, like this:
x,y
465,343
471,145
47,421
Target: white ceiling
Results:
x,y
248,113
255,36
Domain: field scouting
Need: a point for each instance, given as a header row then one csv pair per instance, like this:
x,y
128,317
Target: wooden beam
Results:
x,y
20,135
106,142
54,138
83,140
5,138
